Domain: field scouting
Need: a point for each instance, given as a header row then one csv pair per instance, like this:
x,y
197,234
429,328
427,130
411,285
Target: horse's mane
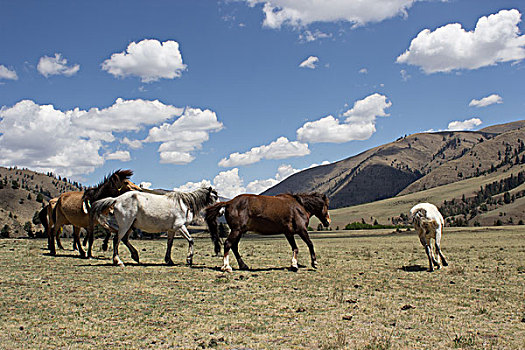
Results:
x,y
115,180
312,202
196,200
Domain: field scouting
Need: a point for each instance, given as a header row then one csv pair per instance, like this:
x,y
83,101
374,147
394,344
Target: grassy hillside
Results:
x,y
384,210
23,192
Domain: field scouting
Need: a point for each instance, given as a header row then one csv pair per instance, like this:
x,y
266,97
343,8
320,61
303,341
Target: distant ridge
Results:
x,y
410,164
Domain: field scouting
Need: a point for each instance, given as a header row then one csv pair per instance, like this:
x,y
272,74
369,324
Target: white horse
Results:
x,y
429,224
152,213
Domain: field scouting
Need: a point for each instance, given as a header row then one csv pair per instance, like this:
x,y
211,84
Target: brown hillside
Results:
x,y
410,164
32,190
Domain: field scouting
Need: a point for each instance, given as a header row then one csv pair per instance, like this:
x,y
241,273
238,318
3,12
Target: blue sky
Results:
x,y
241,94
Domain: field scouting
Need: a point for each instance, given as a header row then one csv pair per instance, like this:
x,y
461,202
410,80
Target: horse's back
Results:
x,y
69,204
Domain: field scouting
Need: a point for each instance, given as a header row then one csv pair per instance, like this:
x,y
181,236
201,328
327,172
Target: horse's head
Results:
x,y
323,213
212,196
112,186
316,204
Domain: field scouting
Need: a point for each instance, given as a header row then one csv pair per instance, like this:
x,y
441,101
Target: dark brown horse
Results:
x,y
72,207
284,213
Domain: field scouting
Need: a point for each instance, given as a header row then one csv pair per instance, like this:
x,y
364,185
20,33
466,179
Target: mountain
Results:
x,y
23,193
410,164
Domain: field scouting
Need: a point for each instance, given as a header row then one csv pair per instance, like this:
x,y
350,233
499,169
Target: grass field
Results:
x,y
371,291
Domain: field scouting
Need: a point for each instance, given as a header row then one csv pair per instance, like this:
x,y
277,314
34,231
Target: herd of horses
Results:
x,y
118,205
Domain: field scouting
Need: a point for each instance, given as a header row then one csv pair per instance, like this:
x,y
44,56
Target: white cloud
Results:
x,y
495,39
228,183
125,115
145,184
56,66
486,101
133,144
464,125
300,13
309,36
6,73
184,135
279,149
363,71
69,142
310,62
45,139
404,75
192,186
148,59
123,156
358,125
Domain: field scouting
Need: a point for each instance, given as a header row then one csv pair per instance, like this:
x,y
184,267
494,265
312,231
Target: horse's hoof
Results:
x,y
189,262
315,264
104,247
445,263
170,262
294,268
227,268
244,267
430,270
135,257
83,255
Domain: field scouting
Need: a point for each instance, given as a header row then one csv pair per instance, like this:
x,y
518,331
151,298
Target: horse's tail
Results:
x,y
42,216
210,215
54,213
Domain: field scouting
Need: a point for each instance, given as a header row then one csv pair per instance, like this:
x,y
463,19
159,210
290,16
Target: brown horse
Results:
x,y
284,213
71,208
46,219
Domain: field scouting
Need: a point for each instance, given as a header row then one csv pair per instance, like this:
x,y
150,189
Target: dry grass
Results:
x,y
370,292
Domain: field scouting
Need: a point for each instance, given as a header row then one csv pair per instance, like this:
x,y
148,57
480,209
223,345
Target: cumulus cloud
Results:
x,y
184,135
6,73
278,149
123,156
133,144
310,62
56,66
148,59
486,101
359,123
69,142
363,71
464,125
300,13
495,39
228,183
192,186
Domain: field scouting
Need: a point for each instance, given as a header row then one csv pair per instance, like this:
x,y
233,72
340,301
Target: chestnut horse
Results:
x,y
284,213
46,219
71,207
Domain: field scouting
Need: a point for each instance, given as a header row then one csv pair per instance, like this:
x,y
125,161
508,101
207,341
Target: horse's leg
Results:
x,y
169,244
232,237
85,241
186,234
51,239
289,236
76,238
57,237
74,244
132,250
90,235
116,240
235,249
427,250
306,238
106,240
438,248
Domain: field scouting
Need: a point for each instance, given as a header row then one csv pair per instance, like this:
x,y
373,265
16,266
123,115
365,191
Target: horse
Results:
x,y
429,223
46,219
71,207
284,213
152,213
